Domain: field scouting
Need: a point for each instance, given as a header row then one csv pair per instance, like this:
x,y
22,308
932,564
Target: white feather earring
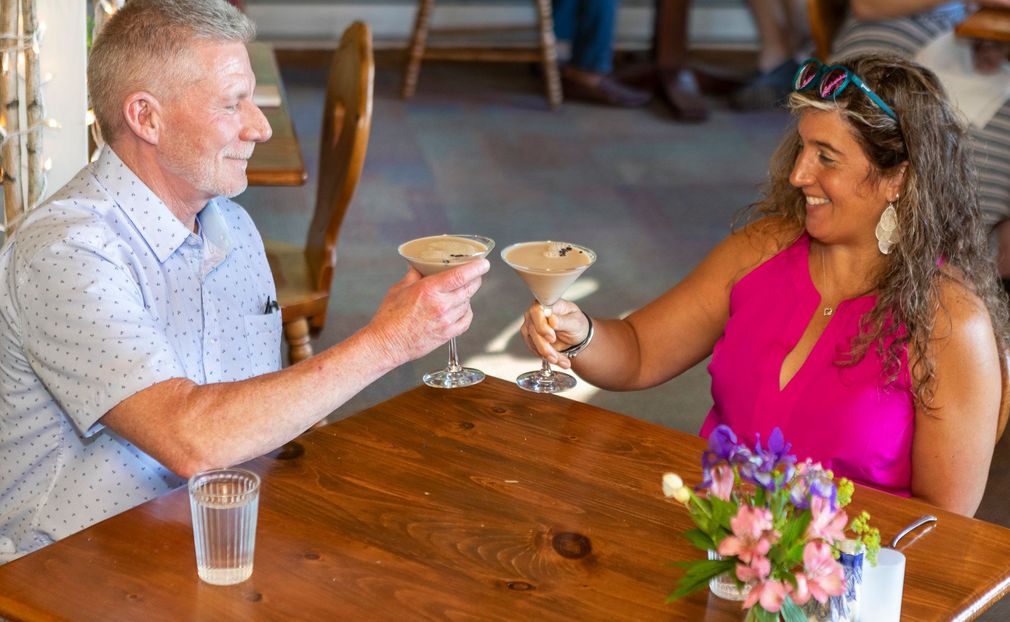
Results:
x,y
887,228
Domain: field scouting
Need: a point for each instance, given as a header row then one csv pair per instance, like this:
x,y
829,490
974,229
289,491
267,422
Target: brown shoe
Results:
x,y
606,91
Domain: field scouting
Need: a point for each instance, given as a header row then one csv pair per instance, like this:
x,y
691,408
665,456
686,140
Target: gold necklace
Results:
x,y
828,309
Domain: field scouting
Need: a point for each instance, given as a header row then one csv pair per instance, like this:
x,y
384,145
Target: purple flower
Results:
x,y
722,442
812,481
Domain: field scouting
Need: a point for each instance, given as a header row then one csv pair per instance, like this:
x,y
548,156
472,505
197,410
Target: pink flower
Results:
x,y
749,534
759,568
801,593
824,575
722,481
826,524
771,595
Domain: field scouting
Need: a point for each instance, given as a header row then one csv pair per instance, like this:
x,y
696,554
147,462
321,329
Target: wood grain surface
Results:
x,y
278,161
992,24
482,503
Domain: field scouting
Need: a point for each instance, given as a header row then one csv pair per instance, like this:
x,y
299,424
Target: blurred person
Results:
x,y
910,28
857,311
588,25
139,331
782,30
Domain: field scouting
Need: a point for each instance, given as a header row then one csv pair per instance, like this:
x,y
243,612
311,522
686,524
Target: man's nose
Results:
x,y
255,127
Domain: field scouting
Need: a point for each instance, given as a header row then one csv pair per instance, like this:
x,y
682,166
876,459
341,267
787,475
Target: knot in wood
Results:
x,y
571,545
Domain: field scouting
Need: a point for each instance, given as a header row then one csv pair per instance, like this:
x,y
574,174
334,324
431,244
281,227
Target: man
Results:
x,y
137,340
589,26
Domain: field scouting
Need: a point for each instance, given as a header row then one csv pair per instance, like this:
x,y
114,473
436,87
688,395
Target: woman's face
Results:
x,y
842,204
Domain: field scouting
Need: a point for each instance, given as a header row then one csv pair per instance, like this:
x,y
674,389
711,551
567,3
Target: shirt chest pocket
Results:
x,y
262,343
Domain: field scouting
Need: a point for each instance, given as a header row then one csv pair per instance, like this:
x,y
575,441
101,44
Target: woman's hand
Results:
x,y
546,334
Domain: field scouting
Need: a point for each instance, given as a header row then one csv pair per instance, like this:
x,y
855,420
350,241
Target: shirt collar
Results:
x,y
159,227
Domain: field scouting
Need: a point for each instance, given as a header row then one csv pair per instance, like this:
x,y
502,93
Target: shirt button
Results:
x,y
192,241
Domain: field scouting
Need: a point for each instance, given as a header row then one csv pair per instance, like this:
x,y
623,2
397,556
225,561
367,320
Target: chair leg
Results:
x,y
549,53
297,335
415,53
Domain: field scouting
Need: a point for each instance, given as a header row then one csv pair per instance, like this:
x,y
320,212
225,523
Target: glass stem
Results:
x,y
453,367
546,373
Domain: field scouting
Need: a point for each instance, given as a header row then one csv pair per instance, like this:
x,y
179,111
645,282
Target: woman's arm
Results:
x,y
953,442
669,335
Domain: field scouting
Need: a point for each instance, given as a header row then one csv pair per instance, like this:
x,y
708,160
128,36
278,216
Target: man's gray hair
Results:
x,y
145,46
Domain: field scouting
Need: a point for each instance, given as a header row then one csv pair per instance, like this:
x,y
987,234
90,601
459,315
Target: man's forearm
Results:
x,y
189,427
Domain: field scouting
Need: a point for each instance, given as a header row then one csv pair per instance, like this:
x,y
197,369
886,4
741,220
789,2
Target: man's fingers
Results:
x,y
460,276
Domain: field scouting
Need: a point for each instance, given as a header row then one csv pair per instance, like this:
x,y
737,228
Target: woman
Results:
x,y
858,312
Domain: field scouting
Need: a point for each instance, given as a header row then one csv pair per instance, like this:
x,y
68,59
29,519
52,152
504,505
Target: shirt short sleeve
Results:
x,y
87,332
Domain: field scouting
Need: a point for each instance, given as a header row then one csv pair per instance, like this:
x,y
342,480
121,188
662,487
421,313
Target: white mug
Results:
x,y
882,587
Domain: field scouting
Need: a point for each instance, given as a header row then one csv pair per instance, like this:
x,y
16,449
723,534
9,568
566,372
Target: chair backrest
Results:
x,y
1004,398
825,18
347,120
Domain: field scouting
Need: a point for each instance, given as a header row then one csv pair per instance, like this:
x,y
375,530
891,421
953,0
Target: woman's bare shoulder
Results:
x,y
960,313
750,246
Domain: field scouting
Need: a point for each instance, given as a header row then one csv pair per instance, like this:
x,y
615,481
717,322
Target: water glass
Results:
x,y
883,585
224,503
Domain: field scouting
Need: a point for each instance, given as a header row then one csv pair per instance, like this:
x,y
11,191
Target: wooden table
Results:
x,y
992,24
277,162
483,503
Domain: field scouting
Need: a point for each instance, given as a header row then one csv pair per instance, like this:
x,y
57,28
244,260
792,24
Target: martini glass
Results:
x,y
547,268
434,254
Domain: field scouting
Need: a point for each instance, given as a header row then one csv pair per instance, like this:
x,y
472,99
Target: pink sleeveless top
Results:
x,y
847,418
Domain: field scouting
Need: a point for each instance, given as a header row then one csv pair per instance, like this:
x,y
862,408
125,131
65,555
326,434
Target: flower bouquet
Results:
x,y
774,530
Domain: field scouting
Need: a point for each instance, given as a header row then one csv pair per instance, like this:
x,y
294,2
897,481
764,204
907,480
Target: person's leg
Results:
x,y
586,76
564,18
593,40
676,82
776,60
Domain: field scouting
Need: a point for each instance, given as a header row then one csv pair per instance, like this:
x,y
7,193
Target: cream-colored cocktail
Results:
x,y
547,268
438,253
434,254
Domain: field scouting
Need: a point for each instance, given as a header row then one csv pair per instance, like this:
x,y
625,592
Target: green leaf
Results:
x,y
698,574
792,612
759,614
722,511
700,539
795,528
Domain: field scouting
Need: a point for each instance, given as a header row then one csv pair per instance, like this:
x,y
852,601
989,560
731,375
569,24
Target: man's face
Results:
x,y
211,125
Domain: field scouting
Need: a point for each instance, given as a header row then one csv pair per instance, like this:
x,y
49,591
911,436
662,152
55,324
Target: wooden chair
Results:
x,y
825,18
1004,399
545,53
303,273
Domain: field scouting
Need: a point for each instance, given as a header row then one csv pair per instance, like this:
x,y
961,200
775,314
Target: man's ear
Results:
x,y
143,114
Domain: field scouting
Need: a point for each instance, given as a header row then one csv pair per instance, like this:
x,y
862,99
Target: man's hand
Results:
x,y
419,314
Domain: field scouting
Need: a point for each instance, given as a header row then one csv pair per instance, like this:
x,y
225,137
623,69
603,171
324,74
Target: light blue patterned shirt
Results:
x,y
104,293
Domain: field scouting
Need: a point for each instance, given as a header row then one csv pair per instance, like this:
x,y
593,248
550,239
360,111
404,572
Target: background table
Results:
x,y
483,503
992,24
277,162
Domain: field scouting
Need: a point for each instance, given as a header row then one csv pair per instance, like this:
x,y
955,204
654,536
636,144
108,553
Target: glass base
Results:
x,y
725,586
537,382
446,379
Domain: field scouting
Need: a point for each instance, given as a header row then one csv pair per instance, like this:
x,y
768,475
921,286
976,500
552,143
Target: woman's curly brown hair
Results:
x,y
940,230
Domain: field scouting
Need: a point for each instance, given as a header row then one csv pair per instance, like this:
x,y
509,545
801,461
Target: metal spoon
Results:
x,y
919,522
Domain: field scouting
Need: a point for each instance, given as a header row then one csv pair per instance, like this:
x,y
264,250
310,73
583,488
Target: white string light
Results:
x,y
22,43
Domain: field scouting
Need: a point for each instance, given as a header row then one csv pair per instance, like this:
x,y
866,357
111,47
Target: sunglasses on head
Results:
x,y
831,81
